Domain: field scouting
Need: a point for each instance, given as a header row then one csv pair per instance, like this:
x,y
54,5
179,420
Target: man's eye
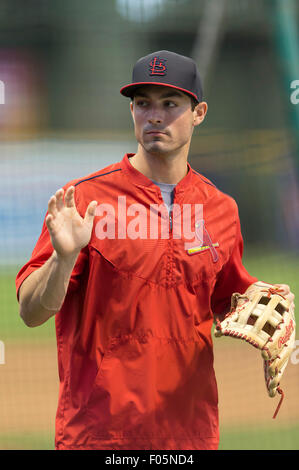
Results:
x,y
141,103
170,104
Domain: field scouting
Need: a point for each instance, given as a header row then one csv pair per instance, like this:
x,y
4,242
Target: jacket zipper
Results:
x,y
171,216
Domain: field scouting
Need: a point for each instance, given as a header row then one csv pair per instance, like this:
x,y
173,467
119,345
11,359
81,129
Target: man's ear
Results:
x,y
132,109
199,113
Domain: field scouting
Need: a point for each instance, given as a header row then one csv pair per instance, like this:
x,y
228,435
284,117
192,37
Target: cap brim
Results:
x,y
128,90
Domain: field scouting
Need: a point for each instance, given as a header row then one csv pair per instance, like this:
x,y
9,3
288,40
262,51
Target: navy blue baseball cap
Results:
x,y
168,69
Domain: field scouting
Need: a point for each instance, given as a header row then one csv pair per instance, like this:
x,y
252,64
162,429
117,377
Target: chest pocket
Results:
x,y
160,257
143,258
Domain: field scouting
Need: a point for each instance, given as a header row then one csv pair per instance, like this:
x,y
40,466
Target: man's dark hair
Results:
x,y
194,103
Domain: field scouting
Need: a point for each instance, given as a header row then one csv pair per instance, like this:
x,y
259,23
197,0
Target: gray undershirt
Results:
x,y
167,191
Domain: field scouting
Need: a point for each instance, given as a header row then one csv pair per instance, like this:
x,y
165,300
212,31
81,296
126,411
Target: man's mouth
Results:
x,y
156,132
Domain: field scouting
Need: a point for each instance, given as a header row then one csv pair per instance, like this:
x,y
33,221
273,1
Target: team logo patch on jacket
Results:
x,y
205,242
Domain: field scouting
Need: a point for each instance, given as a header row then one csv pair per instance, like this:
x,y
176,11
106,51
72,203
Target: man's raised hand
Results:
x,y
69,232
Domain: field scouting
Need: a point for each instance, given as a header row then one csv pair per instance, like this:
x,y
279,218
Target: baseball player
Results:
x,y
134,293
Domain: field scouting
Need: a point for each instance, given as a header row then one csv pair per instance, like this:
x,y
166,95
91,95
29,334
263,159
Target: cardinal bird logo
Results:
x,y
206,243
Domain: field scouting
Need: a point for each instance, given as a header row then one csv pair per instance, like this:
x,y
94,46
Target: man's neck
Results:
x,y
160,168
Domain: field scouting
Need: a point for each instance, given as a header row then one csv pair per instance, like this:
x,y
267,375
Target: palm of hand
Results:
x,y
69,232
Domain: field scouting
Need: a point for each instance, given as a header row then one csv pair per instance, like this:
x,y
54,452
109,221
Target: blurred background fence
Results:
x,y
62,64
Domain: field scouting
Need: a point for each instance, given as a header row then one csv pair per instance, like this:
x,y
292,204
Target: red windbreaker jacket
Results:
x,y
134,342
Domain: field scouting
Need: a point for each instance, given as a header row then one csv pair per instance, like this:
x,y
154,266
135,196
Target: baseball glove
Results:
x,y
265,319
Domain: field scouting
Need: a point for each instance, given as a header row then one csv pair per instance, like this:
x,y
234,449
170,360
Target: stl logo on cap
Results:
x,y
158,66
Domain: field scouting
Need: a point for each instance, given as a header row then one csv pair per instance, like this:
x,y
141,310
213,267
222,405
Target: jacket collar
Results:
x,y
140,179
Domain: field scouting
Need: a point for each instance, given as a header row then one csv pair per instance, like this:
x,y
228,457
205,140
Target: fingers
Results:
x,y
57,202
49,222
59,199
90,212
54,206
69,197
52,209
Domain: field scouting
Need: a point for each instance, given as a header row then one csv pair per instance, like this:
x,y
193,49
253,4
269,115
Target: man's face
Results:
x,y
163,119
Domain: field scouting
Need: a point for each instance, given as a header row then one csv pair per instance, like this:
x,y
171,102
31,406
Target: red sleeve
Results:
x,y
232,278
42,251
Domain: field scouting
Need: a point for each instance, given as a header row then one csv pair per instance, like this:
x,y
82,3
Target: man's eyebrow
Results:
x,y
168,94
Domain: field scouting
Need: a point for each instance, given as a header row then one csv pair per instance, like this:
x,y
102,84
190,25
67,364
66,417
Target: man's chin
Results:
x,y
157,148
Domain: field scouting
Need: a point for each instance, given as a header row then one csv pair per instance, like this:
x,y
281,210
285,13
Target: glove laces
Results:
x,y
280,401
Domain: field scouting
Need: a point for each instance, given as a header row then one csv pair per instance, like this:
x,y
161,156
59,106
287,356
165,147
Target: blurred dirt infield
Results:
x,y
29,388
243,398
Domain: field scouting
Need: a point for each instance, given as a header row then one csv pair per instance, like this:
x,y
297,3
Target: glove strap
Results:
x,y
280,402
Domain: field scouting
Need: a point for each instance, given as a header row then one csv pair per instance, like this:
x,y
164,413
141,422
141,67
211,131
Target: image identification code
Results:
x,y
150,459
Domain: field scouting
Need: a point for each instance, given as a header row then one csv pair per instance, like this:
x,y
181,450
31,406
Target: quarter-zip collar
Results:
x,y
139,179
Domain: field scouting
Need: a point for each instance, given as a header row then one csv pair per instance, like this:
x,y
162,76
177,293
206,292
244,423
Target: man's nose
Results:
x,y
155,116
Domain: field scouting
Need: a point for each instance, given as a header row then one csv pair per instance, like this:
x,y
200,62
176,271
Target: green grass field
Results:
x,y
274,268
260,439
253,439
11,325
